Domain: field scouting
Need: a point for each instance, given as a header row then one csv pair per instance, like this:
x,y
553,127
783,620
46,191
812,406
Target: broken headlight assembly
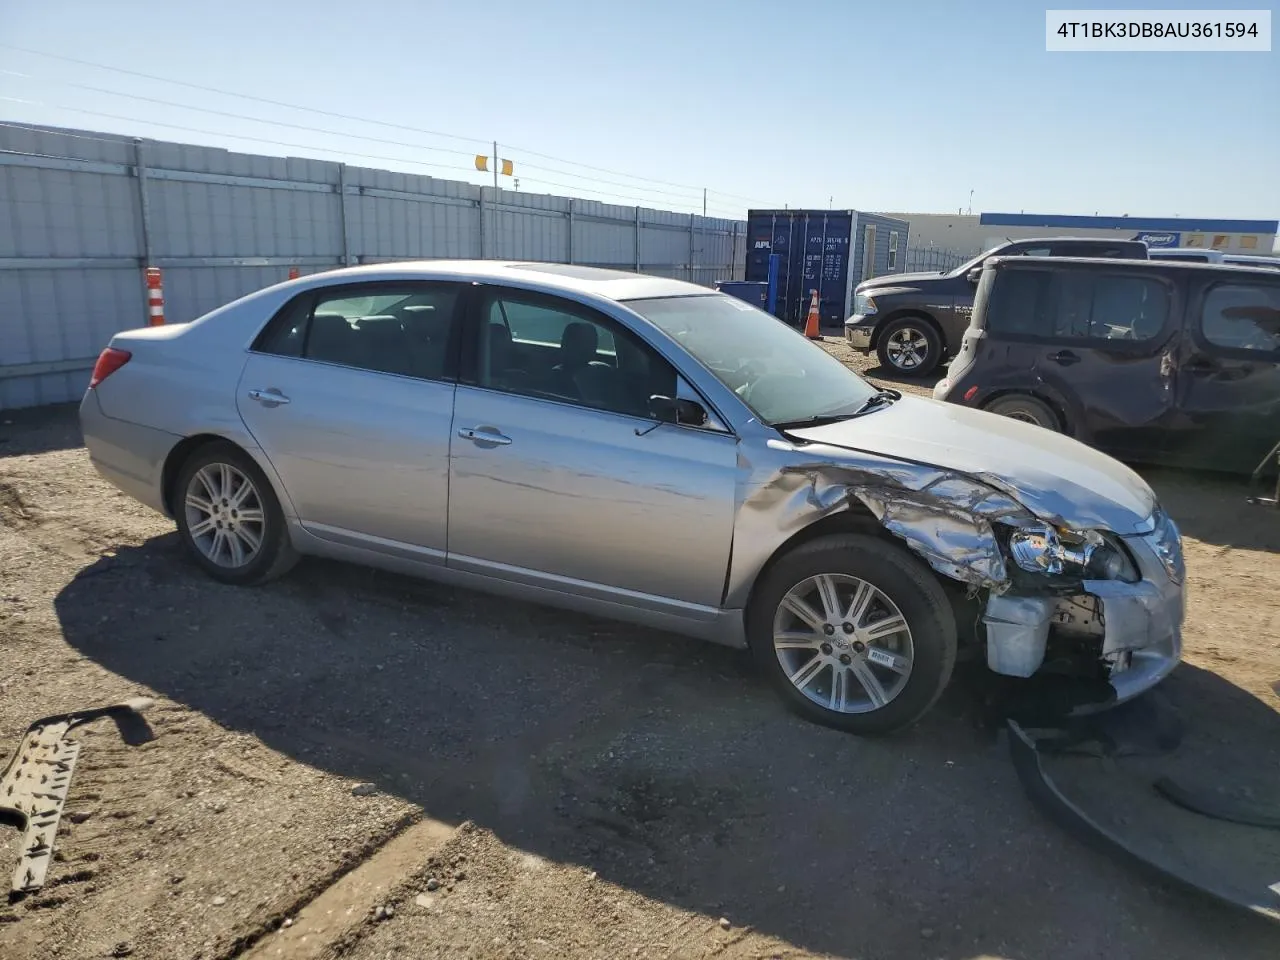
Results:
x,y
1088,555
1166,542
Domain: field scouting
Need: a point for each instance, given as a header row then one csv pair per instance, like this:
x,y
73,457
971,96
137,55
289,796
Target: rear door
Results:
x,y
1098,343
1229,373
349,392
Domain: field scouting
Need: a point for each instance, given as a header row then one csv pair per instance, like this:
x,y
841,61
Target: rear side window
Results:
x,y
1078,306
403,329
1242,316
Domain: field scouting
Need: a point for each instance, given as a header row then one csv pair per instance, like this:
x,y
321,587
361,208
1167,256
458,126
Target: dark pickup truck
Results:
x,y
916,320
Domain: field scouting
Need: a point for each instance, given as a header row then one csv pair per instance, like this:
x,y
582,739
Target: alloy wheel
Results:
x,y
224,514
843,643
907,348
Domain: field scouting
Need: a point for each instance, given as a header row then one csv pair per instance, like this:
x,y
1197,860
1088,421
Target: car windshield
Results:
x,y
970,264
778,373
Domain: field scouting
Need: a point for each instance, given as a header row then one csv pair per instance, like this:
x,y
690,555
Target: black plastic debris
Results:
x,y
1258,897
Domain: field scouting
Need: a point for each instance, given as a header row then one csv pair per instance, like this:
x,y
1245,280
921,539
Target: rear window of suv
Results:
x,y
1077,305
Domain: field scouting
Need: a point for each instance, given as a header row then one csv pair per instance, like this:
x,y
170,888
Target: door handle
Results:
x,y
1064,357
484,435
268,398
1200,367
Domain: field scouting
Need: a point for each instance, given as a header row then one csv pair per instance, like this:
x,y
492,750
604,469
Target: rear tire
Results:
x,y
1028,409
909,346
853,671
229,518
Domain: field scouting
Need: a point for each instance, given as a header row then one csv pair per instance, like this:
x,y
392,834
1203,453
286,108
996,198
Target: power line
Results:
x,y
354,119
238,116
234,136
245,96
118,139
277,143
323,130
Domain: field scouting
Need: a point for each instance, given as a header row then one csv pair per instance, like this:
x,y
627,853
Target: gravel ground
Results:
x,y
620,792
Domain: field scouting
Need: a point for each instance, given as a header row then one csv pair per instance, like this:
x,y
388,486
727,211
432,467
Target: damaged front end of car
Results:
x,y
1052,597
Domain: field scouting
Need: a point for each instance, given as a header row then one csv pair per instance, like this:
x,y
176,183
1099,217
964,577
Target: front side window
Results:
x,y
542,346
780,376
402,329
1242,316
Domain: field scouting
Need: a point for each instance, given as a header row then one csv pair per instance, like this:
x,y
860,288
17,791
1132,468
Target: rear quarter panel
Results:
x,y
181,380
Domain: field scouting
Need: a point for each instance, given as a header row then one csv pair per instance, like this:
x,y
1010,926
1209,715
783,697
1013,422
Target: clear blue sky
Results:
x,y
880,106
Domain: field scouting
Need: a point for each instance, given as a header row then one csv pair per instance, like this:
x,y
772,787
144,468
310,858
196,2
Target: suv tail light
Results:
x,y
109,361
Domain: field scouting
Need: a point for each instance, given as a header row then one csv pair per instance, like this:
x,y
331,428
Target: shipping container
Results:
x,y
828,251
756,294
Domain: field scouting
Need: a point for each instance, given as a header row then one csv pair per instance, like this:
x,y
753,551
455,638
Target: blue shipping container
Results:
x,y
827,251
756,294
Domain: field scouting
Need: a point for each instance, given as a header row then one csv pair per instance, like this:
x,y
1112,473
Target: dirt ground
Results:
x,y
348,763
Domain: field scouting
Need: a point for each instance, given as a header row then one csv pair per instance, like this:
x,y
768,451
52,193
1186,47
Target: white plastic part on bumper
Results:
x,y
1017,633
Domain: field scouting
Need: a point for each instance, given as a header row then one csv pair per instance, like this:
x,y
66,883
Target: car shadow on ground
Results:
x,y
1213,508
39,430
663,763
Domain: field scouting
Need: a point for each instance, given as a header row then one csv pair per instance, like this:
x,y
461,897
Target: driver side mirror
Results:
x,y
677,410
975,274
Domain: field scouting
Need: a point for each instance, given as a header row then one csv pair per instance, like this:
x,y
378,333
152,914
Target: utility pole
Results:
x,y
495,164
704,201
970,203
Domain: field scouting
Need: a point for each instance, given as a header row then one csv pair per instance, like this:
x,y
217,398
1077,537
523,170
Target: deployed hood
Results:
x,y
1053,476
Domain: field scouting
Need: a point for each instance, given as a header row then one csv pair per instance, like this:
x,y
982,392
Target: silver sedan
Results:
x,y
648,450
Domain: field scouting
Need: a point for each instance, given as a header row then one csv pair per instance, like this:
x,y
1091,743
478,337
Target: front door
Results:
x,y
349,392
1229,375
560,478
1098,343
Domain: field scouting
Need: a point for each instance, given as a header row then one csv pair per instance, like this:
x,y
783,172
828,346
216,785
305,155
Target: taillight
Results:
x,y
109,361
968,394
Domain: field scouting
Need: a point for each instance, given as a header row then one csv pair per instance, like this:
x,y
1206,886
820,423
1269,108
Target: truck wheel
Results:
x,y
853,633
909,346
1019,406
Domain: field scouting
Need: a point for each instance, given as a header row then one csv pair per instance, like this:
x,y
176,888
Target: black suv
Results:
x,y
1163,362
915,320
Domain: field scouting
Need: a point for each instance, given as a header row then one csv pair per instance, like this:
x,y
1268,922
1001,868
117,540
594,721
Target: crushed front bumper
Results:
x,y
1136,631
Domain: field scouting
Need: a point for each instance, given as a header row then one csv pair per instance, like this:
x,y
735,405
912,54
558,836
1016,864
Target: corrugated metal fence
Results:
x,y
82,214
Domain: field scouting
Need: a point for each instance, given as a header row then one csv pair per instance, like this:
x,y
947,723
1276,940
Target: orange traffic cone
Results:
x,y
812,329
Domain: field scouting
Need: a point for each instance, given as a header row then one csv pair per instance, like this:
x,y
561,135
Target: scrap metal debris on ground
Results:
x,y
34,787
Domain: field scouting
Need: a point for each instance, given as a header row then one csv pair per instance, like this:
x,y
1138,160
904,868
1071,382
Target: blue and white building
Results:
x,y
970,234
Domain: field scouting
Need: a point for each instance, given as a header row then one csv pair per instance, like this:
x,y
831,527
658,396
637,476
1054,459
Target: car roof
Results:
x,y
572,278
1080,263
1070,240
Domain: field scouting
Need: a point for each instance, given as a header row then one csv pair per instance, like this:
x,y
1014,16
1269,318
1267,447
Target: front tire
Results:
x,y
229,518
853,633
909,346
